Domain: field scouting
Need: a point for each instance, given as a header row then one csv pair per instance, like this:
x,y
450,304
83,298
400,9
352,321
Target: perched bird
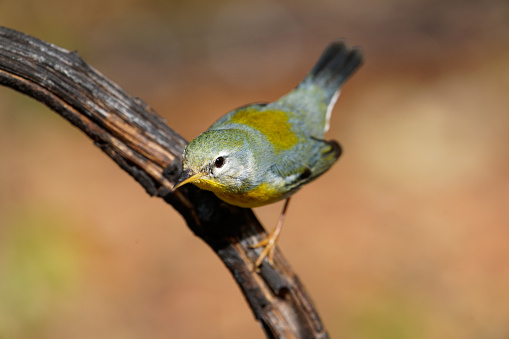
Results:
x,y
262,153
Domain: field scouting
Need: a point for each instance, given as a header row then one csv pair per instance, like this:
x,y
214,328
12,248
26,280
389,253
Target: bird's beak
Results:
x,y
186,177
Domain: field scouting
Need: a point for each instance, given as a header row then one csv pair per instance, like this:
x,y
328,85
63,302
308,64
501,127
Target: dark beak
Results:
x,y
187,176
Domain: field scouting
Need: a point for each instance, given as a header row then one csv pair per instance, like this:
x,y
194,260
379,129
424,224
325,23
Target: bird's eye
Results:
x,y
219,162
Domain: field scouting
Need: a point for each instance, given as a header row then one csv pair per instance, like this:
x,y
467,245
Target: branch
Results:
x,y
140,142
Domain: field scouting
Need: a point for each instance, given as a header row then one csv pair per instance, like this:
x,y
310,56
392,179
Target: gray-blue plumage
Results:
x,y
259,151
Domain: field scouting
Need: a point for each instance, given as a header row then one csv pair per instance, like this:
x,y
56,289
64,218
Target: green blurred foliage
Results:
x,y
39,270
387,317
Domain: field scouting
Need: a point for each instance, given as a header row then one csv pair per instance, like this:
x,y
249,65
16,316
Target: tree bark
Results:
x,y
139,141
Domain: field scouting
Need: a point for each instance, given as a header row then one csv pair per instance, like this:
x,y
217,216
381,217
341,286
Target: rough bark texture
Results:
x,y
140,142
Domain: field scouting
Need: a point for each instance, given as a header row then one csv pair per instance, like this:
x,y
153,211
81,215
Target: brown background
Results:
x,y
406,237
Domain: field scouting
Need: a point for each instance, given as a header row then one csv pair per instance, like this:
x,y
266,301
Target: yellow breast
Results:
x,y
259,196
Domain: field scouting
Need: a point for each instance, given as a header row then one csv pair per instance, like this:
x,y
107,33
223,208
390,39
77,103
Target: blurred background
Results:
x,y
406,237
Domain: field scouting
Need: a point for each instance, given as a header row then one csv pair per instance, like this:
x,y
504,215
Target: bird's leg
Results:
x,y
271,240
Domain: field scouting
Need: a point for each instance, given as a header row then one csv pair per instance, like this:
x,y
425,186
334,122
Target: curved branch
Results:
x,y
140,142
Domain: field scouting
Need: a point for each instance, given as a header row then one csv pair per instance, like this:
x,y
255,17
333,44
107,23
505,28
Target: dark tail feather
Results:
x,y
337,63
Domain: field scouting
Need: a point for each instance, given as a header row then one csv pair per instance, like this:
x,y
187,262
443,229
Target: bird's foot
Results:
x,y
269,244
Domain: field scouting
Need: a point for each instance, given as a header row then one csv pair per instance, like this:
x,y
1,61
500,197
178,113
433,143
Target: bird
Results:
x,y
262,153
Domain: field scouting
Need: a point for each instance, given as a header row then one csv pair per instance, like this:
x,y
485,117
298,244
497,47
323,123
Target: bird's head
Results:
x,y
218,160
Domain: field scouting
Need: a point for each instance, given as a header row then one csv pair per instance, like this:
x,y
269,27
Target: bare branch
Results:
x,y
140,142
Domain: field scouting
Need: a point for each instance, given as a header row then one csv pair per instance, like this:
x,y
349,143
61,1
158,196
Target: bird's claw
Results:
x,y
269,244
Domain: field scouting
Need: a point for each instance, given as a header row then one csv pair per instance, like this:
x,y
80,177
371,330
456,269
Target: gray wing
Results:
x,y
317,156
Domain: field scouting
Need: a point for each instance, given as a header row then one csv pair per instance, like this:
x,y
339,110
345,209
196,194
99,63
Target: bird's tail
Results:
x,y
336,64
315,96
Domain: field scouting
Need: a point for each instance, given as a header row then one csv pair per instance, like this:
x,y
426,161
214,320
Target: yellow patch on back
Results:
x,y
273,124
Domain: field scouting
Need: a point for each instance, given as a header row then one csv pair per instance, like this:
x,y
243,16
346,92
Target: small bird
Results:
x,y
264,152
